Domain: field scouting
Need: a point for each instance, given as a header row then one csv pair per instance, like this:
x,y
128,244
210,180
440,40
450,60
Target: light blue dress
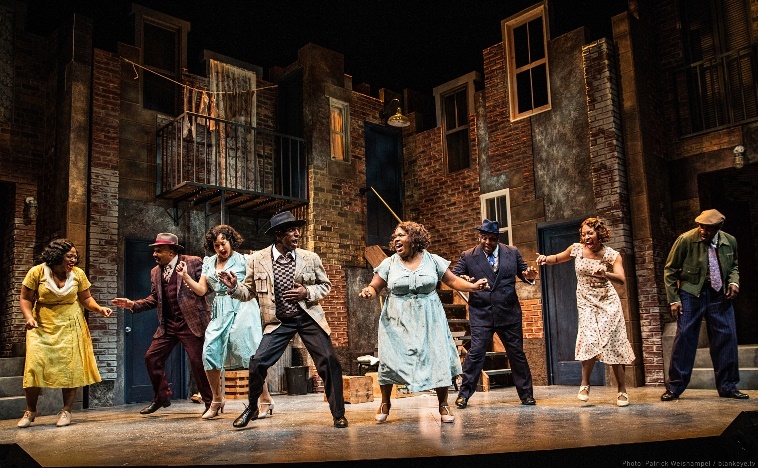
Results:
x,y
235,329
415,345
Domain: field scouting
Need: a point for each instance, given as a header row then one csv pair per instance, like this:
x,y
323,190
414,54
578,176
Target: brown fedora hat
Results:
x,y
167,238
284,220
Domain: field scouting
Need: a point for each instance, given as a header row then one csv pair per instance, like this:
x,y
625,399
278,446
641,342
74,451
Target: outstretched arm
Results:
x,y
374,288
461,284
554,259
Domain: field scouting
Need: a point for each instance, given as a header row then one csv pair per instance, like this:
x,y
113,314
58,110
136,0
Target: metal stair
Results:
x,y
702,372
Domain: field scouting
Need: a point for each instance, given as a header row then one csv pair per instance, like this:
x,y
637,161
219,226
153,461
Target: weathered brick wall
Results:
x,y
102,241
22,140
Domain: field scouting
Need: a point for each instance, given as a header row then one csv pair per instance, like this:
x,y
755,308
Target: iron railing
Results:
x,y
717,92
202,150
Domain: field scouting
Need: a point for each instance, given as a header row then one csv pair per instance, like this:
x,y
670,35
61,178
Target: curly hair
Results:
x,y
56,251
229,233
418,234
603,233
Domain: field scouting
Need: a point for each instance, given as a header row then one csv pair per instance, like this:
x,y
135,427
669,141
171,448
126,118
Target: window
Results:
x,y
162,40
496,206
339,123
455,103
525,41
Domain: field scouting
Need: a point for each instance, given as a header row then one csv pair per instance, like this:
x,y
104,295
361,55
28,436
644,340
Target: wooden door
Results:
x,y
384,168
559,308
139,329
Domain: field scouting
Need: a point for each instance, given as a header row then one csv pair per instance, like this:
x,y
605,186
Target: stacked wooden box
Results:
x,y
236,384
357,389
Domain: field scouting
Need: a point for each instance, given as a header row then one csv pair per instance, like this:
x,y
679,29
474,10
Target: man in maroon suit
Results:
x,y
183,317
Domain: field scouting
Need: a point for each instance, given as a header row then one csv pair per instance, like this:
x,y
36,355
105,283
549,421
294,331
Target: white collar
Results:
x,y
172,263
276,254
52,287
715,240
495,252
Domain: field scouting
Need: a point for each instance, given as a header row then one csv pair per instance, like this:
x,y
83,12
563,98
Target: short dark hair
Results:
x,y
56,251
420,238
603,233
231,234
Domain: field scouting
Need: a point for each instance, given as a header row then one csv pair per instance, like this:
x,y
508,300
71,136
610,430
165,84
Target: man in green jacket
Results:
x,y
702,279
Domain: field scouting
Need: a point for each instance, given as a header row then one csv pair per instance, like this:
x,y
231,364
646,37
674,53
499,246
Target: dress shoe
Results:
x,y
381,416
735,394
584,396
340,422
445,415
265,409
155,406
28,419
625,401
461,402
214,409
64,418
250,414
669,396
529,401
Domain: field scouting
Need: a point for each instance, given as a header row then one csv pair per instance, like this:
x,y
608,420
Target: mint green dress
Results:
x,y
235,329
416,347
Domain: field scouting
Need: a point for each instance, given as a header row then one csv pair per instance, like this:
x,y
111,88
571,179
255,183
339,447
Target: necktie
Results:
x,y
491,259
167,273
713,267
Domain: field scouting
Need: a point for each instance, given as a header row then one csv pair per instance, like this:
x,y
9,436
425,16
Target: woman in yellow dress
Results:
x,y
58,344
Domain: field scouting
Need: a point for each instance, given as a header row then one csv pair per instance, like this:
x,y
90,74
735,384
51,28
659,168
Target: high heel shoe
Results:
x,y
381,416
622,402
27,419
446,417
265,409
584,396
214,409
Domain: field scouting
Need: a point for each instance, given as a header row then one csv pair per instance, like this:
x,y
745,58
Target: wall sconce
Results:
x,y
30,207
739,157
397,119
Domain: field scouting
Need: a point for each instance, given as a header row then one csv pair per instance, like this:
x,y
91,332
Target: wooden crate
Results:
x,y
236,384
357,389
398,391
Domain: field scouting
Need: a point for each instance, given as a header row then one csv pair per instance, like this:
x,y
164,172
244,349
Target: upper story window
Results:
x,y
525,38
162,40
455,103
339,124
496,206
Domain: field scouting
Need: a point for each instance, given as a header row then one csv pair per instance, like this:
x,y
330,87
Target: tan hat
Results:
x,y
710,218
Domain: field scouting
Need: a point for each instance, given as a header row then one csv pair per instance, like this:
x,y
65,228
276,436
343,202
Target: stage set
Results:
x,y
700,429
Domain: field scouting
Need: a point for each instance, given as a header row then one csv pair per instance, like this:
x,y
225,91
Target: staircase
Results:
x,y
12,401
702,372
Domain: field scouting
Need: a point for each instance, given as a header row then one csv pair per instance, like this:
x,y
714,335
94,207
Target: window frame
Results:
x,y
345,129
467,82
508,25
485,197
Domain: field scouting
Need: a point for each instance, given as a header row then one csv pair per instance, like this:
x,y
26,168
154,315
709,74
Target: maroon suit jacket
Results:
x,y
194,308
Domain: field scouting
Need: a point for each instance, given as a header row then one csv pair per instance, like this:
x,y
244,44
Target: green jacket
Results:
x,y
687,264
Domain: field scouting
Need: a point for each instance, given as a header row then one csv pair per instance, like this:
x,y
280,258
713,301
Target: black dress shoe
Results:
x,y
668,396
155,406
735,394
461,402
250,414
340,422
529,401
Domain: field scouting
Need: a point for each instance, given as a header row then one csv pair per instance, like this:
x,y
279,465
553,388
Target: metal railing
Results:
x,y
203,150
717,92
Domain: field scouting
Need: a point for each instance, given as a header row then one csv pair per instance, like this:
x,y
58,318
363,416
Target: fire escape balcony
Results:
x,y
229,166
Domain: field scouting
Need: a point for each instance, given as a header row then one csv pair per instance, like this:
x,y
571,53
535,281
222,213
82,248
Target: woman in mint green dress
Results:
x,y
235,329
416,347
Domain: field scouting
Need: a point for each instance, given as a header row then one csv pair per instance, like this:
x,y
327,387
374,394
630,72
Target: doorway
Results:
x,y
559,307
139,329
384,169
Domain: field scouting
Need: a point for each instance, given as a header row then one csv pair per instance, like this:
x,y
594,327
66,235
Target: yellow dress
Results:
x,y
59,352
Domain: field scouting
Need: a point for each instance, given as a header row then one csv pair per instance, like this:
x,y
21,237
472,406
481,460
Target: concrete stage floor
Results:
x,y
495,430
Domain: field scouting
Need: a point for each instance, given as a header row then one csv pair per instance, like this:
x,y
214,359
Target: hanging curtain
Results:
x,y
235,101
338,132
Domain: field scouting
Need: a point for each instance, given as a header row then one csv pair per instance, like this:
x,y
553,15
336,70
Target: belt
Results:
x,y
222,293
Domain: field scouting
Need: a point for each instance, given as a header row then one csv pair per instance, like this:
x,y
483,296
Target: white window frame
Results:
x,y
508,26
485,197
345,129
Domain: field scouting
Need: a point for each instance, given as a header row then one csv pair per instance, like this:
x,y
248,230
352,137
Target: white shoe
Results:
x,y
381,416
620,402
27,419
445,415
584,396
265,409
64,419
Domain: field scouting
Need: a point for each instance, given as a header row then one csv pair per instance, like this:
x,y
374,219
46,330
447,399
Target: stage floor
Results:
x,y
301,430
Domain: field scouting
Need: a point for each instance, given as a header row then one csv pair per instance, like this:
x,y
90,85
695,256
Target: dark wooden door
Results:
x,y
384,168
139,329
559,307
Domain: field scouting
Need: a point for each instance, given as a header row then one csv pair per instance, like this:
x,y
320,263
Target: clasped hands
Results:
x,y
481,284
296,294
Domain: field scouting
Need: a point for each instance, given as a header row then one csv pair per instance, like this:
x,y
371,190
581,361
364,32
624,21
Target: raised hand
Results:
x,y
181,267
530,273
229,280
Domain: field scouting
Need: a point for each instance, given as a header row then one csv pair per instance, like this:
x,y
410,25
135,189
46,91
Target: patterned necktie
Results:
x,y
284,273
167,273
713,267
491,259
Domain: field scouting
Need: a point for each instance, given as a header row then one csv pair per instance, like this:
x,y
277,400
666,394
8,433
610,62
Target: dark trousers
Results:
x,y
318,344
158,353
512,338
722,333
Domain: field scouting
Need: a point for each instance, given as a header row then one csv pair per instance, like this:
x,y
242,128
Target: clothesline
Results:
x,y
135,65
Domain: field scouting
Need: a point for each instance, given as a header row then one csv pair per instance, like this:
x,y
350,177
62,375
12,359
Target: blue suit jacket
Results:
x,y
498,306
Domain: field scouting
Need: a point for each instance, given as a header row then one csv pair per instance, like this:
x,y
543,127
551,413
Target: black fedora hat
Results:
x,y
284,220
490,227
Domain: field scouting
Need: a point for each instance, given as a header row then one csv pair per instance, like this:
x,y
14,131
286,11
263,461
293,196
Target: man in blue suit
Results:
x,y
496,310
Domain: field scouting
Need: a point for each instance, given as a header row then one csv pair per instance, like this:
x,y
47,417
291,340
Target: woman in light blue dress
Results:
x,y
235,329
416,347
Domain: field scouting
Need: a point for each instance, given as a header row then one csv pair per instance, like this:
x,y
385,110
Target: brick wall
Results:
x,y
102,238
